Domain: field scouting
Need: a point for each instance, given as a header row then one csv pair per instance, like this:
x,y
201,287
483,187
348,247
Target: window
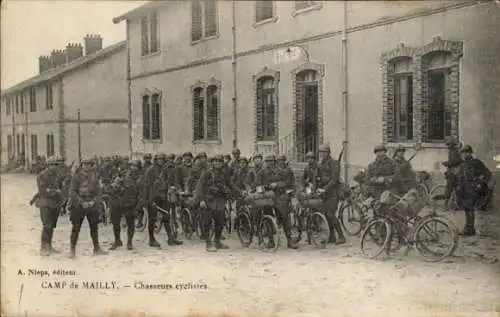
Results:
x,y
437,117
403,107
33,99
8,105
21,144
50,145
34,147
303,4
266,109
204,19
22,102
48,97
206,114
149,34
264,10
151,117
10,146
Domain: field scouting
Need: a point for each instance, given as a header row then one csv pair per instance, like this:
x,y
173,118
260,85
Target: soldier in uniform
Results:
x,y
85,195
200,164
149,195
184,171
254,171
472,180
127,192
454,161
270,177
49,201
235,162
147,160
329,180
408,176
382,174
285,170
212,191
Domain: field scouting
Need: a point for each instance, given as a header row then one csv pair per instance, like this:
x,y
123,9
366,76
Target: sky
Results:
x,y
30,28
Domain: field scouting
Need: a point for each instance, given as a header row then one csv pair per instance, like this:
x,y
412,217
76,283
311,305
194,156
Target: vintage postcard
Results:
x,y
250,158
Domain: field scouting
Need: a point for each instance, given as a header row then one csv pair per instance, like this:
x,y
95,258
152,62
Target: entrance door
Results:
x,y
307,114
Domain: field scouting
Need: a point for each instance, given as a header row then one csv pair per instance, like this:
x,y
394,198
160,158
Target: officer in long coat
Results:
x,y
213,189
328,179
408,176
452,164
472,181
149,194
382,174
184,171
49,200
86,199
199,165
270,177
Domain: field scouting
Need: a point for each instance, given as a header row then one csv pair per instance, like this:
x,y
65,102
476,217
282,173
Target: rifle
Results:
x,y
418,147
342,151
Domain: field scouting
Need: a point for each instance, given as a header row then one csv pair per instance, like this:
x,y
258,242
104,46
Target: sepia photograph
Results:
x,y
237,158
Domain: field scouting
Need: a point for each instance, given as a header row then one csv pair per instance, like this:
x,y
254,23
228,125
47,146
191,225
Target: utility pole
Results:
x,y
79,129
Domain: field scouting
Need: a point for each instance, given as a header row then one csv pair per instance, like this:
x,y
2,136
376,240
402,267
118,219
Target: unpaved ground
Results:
x,y
241,282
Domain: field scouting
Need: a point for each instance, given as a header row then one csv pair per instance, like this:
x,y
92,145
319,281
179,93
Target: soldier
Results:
x,y
382,174
286,171
199,165
49,201
184,171
472,179
85,194
408,176
454,161
124,165
149,195
127,192
329,180
147,160
240,175
211,193
310,176
252,174
235,162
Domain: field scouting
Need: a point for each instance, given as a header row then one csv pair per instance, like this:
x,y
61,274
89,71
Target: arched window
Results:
x,y
401,87
266,109
206,113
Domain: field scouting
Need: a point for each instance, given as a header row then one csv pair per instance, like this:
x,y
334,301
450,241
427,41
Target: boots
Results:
x,y
290,243
152,241
72,252
130,237
469,229
95,239
51,249
210,247
338,228
118,243
220,245
44,247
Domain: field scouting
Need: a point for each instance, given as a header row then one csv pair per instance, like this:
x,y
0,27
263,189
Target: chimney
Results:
x,y
58,58
44,63
73,51
93,43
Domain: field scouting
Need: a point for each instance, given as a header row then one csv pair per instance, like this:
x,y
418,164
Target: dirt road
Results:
x,y
239,282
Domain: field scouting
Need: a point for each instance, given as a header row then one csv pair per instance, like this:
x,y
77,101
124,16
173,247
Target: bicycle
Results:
x,y
399,225
258,218
228,211
173,223
353,211
189,220
310,220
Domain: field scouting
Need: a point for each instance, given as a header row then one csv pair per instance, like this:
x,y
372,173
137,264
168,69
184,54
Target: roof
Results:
x,y
137,12
61,70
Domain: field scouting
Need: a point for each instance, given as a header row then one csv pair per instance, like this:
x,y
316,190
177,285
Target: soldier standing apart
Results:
x,y
329,180
184,171
454,161
49,201
149,192
127,192
408,176
472,179
85,195
211,193
382,174
270,177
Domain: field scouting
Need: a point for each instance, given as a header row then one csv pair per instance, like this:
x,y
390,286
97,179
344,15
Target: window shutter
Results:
x,y
145,118
155,117
198,115
260,112
144,37
154,32
269,113
210,17
196,30
212,113
263,10
299,115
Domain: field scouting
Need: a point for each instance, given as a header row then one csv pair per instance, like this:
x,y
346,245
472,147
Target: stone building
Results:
x,y
40,115
286,76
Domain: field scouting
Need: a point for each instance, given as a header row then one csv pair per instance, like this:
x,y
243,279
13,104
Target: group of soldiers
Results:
x,y
206,184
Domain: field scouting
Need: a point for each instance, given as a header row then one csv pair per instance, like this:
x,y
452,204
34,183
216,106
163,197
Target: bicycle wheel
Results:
x,y
423,192
244,228
187,223
198,223
428,242
269,234
141,225
352,219
379,231
174,223
295,223
227,214
318,230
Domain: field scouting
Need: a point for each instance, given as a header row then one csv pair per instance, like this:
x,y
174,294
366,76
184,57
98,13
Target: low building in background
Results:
x,y
40,115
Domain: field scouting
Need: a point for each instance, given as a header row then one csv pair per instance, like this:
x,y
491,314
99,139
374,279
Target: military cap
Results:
x,y
218,157
310,155
170,157
87,161
243,159
257,155
107,158
281,157
136,163
227,156
400,148
380,147
270,158
236,151
467,148
201,155
324,148
158,156
147,156
52,160
125,158
61,159
449,140
187,154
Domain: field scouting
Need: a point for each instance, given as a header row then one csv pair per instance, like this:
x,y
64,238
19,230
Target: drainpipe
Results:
x,y
79,136
26,138
129,93
234,68
345,94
